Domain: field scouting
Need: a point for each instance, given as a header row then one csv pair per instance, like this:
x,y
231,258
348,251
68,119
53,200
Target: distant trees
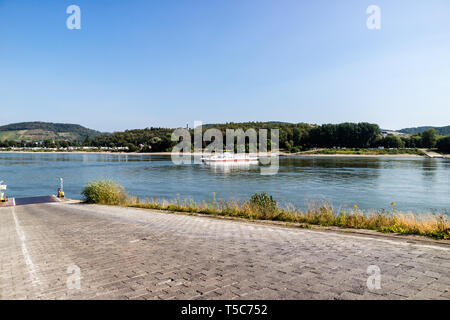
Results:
x,y
429,138
293,137
426,139
6,144
351,135
154,139
48,143
443,144
412,141
390,141
301,136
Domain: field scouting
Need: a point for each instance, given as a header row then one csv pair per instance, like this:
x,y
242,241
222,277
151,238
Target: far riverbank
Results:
x,y
282,154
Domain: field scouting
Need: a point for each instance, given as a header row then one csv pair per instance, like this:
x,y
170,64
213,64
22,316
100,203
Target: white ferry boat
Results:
x,y
228,157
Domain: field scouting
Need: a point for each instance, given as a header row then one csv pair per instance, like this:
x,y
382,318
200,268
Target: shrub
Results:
x,y
263,203
104,192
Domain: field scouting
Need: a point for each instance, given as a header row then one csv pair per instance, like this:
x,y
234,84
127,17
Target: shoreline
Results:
x,y
281,154
340,155
261,206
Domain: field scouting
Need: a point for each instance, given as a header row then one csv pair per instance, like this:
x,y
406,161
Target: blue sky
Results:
x,y
137,64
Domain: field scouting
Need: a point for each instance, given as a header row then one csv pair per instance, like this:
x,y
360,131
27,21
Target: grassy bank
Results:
x,y
264,207
368,151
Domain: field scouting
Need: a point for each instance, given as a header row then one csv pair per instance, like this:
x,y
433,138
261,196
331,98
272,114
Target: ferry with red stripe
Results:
x,y
228,157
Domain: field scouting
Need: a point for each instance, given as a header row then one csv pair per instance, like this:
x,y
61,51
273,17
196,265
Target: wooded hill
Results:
x,y
41,131
442,131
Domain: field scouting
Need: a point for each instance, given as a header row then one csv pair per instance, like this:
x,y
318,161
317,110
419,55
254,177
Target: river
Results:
x,y
415,184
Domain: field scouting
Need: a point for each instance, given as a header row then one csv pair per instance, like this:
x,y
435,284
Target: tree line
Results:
x,y
292,137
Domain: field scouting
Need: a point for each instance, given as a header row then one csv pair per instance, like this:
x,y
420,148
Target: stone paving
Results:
x,y
124,253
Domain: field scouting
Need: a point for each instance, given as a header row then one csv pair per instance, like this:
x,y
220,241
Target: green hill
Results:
x,y
40,131
443,131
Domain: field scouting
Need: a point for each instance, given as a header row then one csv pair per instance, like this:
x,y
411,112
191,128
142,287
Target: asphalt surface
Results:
x,y
35,200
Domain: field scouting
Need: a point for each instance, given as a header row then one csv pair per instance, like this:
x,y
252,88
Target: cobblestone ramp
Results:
x,y
125,253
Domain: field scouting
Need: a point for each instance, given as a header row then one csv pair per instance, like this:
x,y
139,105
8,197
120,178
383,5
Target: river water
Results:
x,y
415,184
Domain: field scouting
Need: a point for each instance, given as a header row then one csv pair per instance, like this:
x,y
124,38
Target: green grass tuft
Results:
x,y
105,192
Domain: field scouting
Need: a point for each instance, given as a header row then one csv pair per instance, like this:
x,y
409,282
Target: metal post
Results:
x,y
3,198
61,188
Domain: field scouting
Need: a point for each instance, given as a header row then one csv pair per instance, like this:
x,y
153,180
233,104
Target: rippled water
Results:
x,y
415,184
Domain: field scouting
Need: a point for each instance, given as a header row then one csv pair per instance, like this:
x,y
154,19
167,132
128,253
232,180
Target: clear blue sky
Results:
x,y
136,64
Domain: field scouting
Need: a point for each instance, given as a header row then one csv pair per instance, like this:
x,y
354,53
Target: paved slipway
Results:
x,y
125,253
